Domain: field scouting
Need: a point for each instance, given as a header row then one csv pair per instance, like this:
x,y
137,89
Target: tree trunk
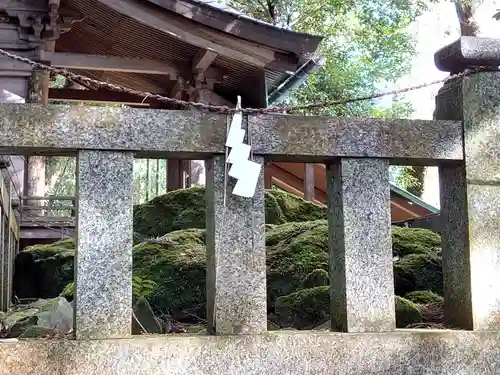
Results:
x,y
465,13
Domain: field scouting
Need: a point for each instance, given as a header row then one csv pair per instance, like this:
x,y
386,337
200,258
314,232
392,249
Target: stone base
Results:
x,y
402,352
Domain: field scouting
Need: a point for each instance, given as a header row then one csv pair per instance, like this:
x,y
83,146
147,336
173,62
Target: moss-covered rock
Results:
x,y
283,207
304,309
297,258
308,308
407,313
294,250
418,272
54,267
424,297
178,271
178,209
318,277
185,208
407,241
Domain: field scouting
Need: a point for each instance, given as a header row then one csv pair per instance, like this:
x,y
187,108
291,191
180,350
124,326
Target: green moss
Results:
x,y
69,291
424,297
294,250
55,262
317,277
407,313
304,309
178,209
407,241
418,272
178,271
185,208
309,308
283,207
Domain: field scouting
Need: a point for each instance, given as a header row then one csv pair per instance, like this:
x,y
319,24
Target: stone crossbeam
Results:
x,y
58,129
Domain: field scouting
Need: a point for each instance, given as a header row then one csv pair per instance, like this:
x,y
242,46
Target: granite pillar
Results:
x,y
359,219
470,191
236,255
309,182
103,276
3,264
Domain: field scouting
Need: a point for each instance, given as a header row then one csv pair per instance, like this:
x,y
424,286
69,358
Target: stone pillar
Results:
x,y
470,190
359,220
103,299
38,93
236,256
309,182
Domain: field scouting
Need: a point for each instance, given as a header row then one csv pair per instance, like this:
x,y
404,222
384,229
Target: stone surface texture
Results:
x,y
481,109
4,265
455,246
196,135
417,352
470,199
236,255
361,267
468,52
103,296
309,136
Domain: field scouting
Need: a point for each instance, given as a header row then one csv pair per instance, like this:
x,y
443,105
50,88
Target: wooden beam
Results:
x,y
175,174
194,33
178,88
112,63
99,96
203,59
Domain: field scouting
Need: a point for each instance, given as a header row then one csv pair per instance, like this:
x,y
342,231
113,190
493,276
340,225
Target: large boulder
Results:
x,y
407,241
185,208
42,271
418,272
294,250
297,259
308,308
38,319
178,268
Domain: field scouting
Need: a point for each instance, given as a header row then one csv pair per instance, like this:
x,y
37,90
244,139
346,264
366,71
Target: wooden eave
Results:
x,y
242,26
141,29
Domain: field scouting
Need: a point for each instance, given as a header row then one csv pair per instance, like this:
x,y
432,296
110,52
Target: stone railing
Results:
x,y
357,153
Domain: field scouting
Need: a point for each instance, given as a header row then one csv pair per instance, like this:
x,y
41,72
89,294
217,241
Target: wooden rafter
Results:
x,y
203,60
198,35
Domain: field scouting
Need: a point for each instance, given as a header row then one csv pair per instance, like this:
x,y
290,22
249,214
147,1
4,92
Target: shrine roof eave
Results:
x,y
226,19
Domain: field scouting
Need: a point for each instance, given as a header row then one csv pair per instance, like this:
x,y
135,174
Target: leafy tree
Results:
x,y
366,47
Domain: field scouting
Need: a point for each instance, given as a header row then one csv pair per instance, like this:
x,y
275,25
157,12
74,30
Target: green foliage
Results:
x,y
411,179
69,291
142,287
366,46
497,15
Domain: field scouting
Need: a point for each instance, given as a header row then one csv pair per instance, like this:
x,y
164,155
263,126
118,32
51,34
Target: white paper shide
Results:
x,y
244,170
